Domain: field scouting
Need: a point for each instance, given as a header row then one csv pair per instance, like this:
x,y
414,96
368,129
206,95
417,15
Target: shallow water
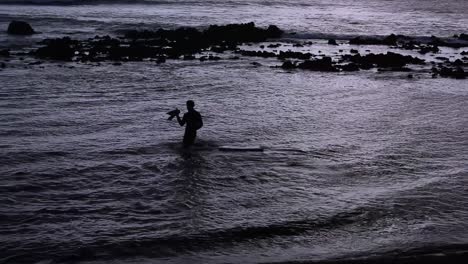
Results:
x,y
352,163
355,164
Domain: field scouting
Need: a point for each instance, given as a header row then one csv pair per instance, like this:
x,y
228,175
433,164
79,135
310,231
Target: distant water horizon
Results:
x,y
356,165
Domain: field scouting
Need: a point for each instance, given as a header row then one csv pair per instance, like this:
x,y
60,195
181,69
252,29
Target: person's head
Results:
x,y
190,105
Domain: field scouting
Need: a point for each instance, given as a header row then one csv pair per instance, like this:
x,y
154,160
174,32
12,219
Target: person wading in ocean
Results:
x,y
193,121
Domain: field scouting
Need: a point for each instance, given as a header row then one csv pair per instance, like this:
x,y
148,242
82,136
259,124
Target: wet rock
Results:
x,y
20,28
35,63
189,57
354,51
389,59
323,64
57,49
273,46
288,65
214,58
2,65
428,48
442,58
389,40
256,64
349,67
160,59
457,73
294,55
459,62
463,37
298,45
395,69
253,53
332,42
240,33
410,76
117,63
5,53
464,53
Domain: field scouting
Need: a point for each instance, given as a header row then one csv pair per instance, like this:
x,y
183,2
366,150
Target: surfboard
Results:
x,y
238,148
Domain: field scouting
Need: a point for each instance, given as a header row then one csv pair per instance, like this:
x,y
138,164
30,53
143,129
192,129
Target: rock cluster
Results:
x,y
158,45
20,28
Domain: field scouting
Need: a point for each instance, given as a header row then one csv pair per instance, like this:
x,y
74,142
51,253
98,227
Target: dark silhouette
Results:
x,y
193,121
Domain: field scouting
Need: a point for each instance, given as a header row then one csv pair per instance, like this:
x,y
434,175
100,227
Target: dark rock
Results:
x,y
298,45
463,37
410,76
20,28
324,64
2,65
349,67
35,63
332,42
160,59
272,46
215,58
189,57
389,59
464,53
58,49
234,58
457,73
256,64
354,51
390,40
117,63
253,53
428,48
442,58
5,53
288,65
458,62
294,55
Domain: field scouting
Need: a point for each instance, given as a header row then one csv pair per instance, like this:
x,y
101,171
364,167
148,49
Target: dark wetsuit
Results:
x,y
193,121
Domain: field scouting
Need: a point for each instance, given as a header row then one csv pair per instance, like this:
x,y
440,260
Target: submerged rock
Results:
x,y
20,28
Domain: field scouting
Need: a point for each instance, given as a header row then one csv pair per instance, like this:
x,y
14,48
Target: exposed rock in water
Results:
x,y
20,28
457,73
263,54
389,59
294,55
324,64
332,42
5,53
389,40
288,65
58,49
349,67
463,37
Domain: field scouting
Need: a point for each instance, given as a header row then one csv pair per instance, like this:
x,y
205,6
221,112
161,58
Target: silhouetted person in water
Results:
x,y
193,121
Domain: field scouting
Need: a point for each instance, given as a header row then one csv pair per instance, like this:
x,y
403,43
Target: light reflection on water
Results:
x,y
352,163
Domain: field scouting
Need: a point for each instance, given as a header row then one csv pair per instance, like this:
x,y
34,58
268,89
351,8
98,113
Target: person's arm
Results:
x,y
181,120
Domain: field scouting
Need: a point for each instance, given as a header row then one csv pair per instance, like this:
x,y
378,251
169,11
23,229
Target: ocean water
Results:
x,y
356,165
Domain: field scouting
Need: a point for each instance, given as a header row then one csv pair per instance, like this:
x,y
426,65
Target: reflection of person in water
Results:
x,y
193,121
